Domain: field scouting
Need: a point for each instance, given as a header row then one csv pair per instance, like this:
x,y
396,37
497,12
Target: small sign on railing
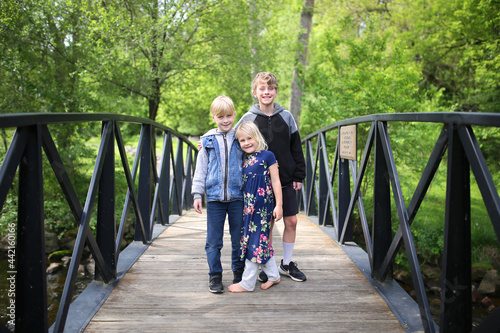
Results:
x,y
348,142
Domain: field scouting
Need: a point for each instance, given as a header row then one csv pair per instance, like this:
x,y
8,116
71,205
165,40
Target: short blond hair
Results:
x,y
221,106
249,128
266,77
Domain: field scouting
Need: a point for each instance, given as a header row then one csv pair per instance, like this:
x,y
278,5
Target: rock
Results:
x,y
66,260
403,277
57,256
90,267
488,284
68,243
4,246
434,287
431,272
69,238
475,294
51,242
54,267
81,270
478,272
487,303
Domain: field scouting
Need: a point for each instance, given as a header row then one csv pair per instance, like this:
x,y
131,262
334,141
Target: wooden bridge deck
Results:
x,y
167,290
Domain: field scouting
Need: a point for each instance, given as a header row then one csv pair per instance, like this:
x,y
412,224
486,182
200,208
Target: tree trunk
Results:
x,y
301,60
254,35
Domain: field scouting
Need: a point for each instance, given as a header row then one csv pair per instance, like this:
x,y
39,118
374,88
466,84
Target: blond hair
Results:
x,y
250,129
222,106
266,77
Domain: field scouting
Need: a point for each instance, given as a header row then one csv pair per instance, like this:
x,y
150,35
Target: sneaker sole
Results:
x,y
216,291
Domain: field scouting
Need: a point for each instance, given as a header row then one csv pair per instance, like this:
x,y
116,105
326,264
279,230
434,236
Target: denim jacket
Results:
x,y
218,167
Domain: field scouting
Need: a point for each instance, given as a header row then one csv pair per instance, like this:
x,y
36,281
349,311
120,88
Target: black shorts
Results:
x,y
290,203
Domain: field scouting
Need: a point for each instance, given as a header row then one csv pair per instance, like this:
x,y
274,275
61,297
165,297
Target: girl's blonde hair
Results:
x,y
249,128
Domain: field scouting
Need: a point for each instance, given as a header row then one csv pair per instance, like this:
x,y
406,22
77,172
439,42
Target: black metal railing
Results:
x,y
161,191
336,207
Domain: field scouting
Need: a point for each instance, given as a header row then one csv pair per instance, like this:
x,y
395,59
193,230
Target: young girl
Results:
x,y
263,202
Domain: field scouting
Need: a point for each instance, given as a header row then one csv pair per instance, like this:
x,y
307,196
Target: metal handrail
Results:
x,y
151,202
336,207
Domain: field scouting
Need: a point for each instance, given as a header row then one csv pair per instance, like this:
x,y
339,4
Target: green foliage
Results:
x,y
169,60
8,213
357,71
457,43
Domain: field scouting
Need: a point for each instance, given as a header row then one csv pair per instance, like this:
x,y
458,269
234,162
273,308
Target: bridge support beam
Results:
x,y
30,282
144,186
106,212
456,298
324,213
381,229
177,200
344,190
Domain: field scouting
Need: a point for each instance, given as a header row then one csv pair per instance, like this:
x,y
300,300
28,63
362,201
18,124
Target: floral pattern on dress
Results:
x,y
259,205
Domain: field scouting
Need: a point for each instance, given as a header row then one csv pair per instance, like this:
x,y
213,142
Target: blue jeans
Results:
x,y
216,216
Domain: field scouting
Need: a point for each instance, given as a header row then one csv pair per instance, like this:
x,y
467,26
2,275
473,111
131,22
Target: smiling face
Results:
x,y
265,93
247,143
224,121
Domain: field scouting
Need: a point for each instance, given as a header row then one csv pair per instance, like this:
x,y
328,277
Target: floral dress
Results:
x,y
259,205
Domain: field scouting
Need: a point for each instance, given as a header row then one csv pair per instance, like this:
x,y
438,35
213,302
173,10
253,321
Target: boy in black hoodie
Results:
x,y
282,136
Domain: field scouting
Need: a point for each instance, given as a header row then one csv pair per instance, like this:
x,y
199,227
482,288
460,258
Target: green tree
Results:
x,y
149,48
358,68
457,43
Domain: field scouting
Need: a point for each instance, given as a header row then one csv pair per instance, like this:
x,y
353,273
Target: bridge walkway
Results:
x,y
166,290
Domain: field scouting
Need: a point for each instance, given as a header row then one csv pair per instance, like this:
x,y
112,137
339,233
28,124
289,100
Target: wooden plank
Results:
x,y
167,290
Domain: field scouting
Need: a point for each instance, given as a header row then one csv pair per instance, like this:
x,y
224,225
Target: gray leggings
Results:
x,y
252,269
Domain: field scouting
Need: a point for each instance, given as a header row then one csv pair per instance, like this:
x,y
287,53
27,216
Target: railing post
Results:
x,y
144,186
456,295
310,204
188,198
30,279
324,218
165,179
344,185
381,229
106,211
178,179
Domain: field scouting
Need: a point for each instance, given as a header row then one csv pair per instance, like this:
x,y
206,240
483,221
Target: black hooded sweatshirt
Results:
x,y
282,136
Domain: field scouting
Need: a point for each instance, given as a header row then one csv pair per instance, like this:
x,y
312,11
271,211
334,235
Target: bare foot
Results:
x,y
269,284
237,288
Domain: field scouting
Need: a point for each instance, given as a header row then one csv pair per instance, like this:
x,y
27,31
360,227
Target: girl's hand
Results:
x,y
278,213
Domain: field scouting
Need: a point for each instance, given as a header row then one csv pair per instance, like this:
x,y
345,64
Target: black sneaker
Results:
x,y
215,284
292,271
262,277
237,275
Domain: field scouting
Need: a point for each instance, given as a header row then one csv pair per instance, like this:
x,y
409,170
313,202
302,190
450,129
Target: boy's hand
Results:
x,y
197,205
278,213
297,186
199,145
